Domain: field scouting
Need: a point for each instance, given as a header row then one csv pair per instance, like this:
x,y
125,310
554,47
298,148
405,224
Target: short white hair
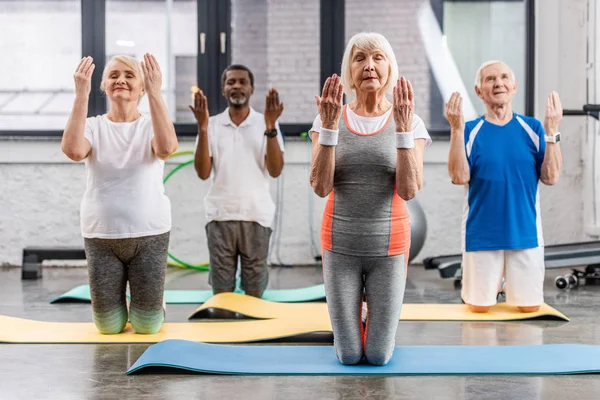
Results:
x,y
368,41
129,61
486,64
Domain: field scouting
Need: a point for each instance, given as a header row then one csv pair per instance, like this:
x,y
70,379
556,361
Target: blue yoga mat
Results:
x,y
550,359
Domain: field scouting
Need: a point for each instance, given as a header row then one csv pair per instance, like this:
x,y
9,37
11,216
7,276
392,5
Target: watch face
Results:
x,y
557,137
271,133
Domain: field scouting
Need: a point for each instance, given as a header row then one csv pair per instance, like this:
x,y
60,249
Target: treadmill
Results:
x,y
556,256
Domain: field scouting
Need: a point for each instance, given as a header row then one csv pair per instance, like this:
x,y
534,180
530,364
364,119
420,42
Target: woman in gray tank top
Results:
x,y
367,166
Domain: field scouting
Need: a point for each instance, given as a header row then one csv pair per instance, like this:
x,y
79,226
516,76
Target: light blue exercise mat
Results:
x,y
550,359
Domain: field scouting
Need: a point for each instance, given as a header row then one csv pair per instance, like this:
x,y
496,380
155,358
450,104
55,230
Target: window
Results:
x,y
279,42
41,47
429,35
487,30
169,33
288,44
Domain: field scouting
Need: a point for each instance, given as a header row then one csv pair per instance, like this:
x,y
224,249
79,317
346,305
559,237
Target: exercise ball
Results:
x,y
418,228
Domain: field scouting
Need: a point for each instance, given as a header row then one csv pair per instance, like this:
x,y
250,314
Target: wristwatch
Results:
x,y
552,139
271,134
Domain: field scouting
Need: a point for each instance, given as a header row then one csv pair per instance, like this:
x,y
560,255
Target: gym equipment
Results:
x,y
31,267
311,293
19,330
203,266
548,359
31,264
418,228
555,256
259,308
591,276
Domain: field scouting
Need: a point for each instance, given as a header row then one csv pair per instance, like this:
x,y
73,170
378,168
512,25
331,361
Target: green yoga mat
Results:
x,y
312,293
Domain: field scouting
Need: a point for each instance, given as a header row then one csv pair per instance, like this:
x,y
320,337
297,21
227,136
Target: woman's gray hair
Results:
x,y
368,41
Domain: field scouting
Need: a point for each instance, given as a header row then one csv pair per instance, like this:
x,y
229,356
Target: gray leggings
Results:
x,y
382,280
141,261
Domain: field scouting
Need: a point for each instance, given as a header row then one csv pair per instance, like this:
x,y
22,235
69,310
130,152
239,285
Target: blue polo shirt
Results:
x,y
502,209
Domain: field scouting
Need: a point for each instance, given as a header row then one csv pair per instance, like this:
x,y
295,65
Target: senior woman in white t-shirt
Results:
x,y
125,214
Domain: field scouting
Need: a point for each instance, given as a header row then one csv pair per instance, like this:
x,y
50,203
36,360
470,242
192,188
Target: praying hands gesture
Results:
x,y
273,109
152,75
330,102
454,113
200,109
83,77
404,105
554,114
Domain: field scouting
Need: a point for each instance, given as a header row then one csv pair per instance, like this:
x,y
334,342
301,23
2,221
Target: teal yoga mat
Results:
x,y
312,293
550,359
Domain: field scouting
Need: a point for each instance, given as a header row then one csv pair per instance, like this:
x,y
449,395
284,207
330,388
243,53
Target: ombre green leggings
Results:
x,y
140,261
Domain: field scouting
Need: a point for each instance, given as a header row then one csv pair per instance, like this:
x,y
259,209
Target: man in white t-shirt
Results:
x,y
243,147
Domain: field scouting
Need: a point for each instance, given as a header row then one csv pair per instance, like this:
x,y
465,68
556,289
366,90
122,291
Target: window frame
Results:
x,y
214,18
438,10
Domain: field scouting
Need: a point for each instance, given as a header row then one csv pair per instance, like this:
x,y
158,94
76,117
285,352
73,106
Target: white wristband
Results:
x,y
405,140
328,137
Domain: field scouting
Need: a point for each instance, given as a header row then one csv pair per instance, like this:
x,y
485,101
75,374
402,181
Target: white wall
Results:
x,y
41,190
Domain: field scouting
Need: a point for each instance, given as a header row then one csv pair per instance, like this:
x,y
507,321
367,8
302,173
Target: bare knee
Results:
x,y
529,309
479,309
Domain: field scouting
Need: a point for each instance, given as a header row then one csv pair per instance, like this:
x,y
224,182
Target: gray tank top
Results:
x,y
364,216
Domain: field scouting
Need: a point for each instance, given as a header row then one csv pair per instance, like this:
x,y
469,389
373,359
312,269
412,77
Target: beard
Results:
x,y
238,101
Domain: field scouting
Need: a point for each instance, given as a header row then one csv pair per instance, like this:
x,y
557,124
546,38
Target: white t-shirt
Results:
x,y
367,125
124,195
240,187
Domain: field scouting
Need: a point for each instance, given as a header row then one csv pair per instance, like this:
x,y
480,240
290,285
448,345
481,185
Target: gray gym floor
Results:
x,y
97,371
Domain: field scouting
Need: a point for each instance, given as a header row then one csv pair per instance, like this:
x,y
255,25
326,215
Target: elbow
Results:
x,y
74,155
167,151
460,178
275,172
204,175
408,193
550,179
320,189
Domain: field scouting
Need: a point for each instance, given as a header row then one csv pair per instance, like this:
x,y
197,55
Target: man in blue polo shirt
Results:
x,y
499,158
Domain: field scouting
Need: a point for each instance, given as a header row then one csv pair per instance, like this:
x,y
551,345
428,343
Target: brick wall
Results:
x,y
279,41
397,21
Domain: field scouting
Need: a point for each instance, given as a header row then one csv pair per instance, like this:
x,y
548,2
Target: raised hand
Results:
x,y
273,109
404,105
454,112
330,102
554,113
83,76
152,75
200,109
